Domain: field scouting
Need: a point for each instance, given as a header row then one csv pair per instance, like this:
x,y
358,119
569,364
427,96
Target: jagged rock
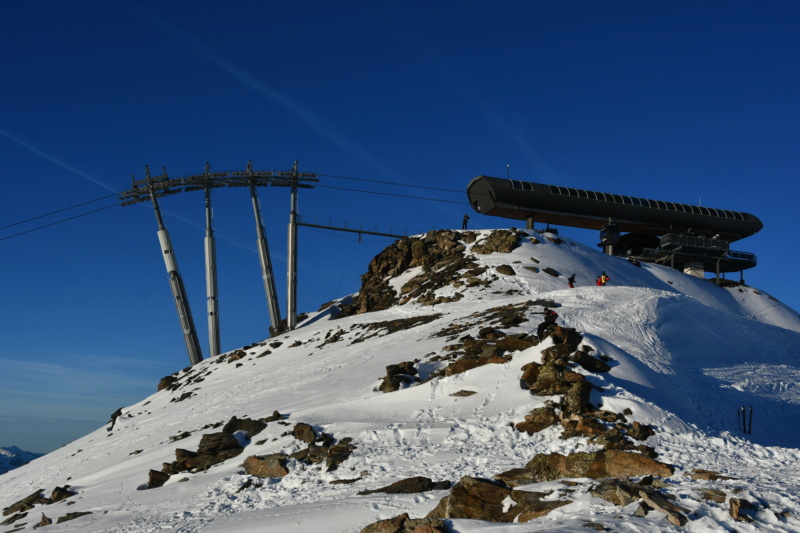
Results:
x,y
26,503
275,416
167,382
71,516
537,420
589,363
266,466
640,431
585,425
45,521
252,427
714,495
515,343
611,463
551,271
220,446
304,432
502,241
506,270
13,518
708,475
404,524
674,512
535,510
156,479
490,333
576,400
390,525
618,491
439,253
409,486
61,493
397,376
530,373
475,498
516,477
741,510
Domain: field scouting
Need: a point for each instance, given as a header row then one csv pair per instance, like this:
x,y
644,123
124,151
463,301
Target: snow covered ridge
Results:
x,y
625,416
12,457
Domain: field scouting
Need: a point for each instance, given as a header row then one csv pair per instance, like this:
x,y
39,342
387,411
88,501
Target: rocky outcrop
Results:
x,y
322,448
595,465
214,448
502,241
38,498
410,486
398,376
443,261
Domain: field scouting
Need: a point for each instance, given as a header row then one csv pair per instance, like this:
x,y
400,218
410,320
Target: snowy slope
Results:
x,y
686,356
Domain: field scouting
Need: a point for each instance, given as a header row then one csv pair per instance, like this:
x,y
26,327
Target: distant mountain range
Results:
x,y
12,457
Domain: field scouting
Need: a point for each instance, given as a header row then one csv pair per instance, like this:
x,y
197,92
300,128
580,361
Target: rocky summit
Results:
x,y
437,399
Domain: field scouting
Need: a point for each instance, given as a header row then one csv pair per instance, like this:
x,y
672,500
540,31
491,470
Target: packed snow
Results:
x,y
687,356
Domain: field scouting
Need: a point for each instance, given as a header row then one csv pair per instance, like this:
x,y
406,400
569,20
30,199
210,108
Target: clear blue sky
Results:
x,y
681,101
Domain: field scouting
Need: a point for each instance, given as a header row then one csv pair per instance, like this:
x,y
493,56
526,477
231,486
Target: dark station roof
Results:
x,y
566,206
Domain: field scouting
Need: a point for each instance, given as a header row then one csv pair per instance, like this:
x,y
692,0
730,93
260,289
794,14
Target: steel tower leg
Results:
x,y
291,281
266,266
211,282
178,290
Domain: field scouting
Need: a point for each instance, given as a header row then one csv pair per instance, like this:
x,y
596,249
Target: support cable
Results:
x,y
58,211
57,222
392,183
392,194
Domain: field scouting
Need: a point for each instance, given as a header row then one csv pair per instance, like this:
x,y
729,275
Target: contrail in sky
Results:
x,y
56,161
309,117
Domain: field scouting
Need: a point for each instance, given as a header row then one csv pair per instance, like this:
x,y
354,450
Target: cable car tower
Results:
x,y
152,188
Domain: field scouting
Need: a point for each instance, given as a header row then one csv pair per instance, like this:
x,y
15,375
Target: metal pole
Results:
x,y
266,263
211,279
176,285
291,276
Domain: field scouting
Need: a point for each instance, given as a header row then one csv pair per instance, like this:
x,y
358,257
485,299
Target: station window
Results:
x,y
527,186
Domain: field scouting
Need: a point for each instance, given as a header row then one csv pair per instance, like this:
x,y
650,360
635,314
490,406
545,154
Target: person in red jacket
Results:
x,y
550,317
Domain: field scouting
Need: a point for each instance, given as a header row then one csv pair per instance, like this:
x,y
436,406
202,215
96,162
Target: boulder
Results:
x,y
601,464
156,479
538,419
26,503
304,432
478,499
506,270
266,466
409,486
252,427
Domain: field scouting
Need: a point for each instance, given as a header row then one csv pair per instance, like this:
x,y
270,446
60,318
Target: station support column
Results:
x,y
176,285
266,264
